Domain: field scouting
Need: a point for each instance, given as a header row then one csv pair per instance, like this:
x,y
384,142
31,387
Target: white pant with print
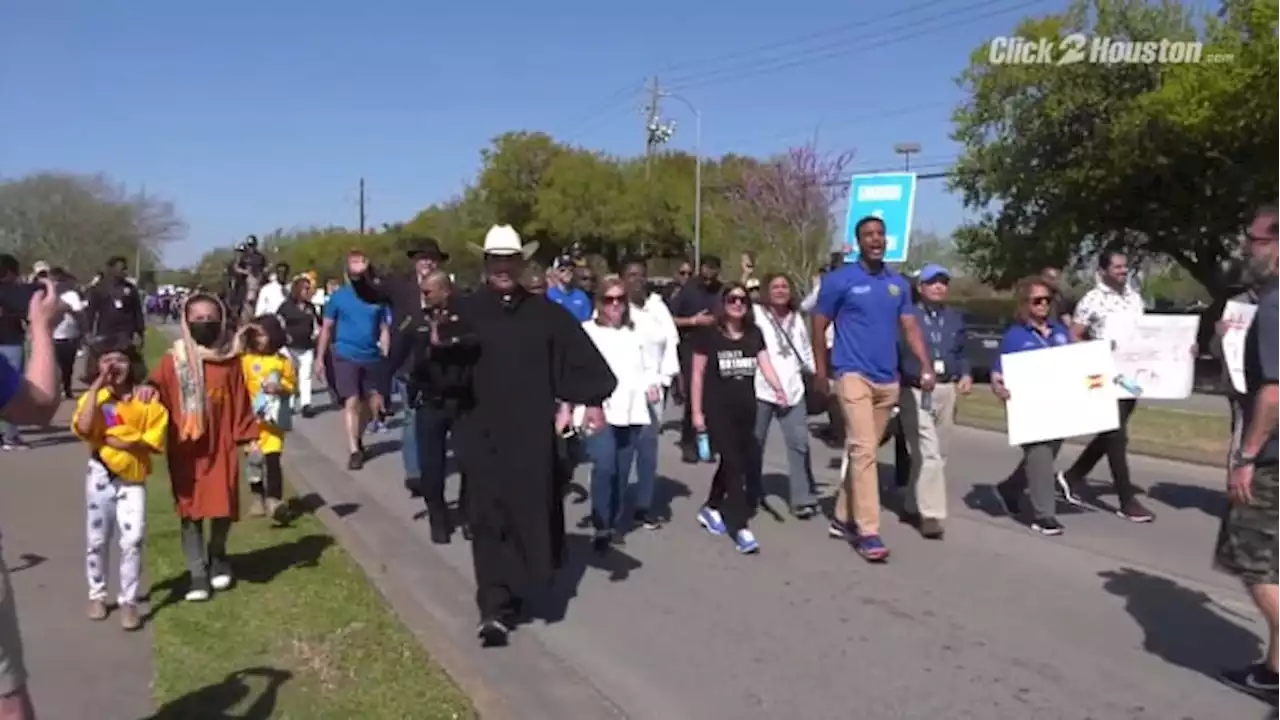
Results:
x,y
113,506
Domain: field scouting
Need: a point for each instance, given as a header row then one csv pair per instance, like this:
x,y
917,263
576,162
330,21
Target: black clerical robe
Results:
x,y
527,353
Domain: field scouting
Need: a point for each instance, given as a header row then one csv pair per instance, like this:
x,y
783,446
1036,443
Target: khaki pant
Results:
x,y
866,407
928,436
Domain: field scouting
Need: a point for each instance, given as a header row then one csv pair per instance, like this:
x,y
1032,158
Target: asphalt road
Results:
x,y
1112,620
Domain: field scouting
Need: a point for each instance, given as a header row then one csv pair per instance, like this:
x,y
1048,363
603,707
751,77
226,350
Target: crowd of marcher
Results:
x,y
534,372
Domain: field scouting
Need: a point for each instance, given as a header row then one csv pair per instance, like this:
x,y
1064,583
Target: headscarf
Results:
x,y
188,364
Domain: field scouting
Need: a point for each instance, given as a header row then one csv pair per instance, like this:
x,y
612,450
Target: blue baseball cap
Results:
x,y
932,272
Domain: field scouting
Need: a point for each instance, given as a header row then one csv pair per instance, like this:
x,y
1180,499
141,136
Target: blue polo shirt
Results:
x,y
866,309
356,326
1021,337
577,302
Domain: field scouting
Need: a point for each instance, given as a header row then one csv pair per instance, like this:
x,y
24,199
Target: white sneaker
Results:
x,y
220,582
197,595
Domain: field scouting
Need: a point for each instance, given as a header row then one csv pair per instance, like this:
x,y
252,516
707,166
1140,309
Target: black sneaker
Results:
x,y
308,412
1069,491
601,540
839,530
1047,526
804,512
1256,680
355,461
647,520
493,633
1134,511
689,455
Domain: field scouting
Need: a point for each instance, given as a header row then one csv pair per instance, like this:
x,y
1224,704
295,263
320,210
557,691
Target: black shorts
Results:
x,y
357,379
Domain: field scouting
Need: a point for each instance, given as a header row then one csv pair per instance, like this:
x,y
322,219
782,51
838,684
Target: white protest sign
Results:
x,y
1155,356
1060,392
1237,316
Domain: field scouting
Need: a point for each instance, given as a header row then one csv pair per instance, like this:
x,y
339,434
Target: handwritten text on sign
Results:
x,y
1237,317
1155,355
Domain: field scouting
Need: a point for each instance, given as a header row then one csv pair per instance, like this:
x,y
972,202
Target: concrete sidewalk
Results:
x,y
1114,620
79,669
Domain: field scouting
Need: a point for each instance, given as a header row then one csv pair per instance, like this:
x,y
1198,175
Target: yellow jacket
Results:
x,y
257,368
130,420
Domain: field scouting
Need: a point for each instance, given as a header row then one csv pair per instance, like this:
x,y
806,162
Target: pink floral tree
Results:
x,y
784,210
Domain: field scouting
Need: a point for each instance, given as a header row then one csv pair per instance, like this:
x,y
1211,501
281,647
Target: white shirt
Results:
x,y
808,304
624,350
1108,314
661,339
69,328
319,298
270,298
790,364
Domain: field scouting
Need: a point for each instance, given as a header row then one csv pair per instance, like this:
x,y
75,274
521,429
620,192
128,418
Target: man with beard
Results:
x,y
1246,544
525,355
694,307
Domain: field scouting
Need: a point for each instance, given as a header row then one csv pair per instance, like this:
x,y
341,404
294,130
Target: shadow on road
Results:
x,y
216,702
1182,625
1210,501
553,605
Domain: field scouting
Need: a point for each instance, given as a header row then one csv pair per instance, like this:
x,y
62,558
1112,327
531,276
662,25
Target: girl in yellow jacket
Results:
x,y
122,433
270,379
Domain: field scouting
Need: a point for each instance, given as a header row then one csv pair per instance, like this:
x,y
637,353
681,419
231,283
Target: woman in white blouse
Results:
x,y
786,339
612,450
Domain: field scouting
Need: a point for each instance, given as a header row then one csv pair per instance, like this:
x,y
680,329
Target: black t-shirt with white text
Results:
x,y
731,367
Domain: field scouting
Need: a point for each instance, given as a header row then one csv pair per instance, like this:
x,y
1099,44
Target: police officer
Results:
x,y
114,311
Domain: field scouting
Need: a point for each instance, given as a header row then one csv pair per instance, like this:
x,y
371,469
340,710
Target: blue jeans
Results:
x,y
16,358
611,451
408,432
795,433
647,456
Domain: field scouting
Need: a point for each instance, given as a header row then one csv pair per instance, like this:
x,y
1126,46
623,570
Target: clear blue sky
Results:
x,y
257,115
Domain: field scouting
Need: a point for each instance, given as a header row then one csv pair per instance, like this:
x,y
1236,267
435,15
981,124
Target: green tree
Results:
x,y
1165,159
79,221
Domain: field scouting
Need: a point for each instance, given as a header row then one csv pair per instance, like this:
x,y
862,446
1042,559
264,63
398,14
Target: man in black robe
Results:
x,y
525,353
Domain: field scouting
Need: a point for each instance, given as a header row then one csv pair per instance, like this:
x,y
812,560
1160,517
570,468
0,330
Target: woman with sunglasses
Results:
x,y
726,358
1034,328
612,449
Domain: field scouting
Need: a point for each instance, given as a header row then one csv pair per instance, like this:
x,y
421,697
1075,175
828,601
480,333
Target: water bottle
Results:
x,y
704,447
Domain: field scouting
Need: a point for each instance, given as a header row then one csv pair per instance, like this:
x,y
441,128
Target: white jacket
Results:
x,y
624,350
270,298
789,363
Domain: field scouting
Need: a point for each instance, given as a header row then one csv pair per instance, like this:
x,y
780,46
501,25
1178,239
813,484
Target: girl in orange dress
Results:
x,y
201,384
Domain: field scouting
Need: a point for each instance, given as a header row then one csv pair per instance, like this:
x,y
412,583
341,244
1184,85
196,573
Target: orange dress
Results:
x,y
205,473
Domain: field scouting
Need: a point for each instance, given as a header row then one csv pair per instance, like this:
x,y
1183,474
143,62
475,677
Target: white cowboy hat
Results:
x,y
504,240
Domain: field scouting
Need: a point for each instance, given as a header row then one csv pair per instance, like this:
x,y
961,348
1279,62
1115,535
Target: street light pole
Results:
x,y
906,150
697,175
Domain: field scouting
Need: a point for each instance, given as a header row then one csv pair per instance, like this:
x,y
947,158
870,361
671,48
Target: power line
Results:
x,y
603,109
859,25
896,36
868,119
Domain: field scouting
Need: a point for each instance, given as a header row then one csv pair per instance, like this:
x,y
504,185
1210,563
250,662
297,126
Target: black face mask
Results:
x,y
206,333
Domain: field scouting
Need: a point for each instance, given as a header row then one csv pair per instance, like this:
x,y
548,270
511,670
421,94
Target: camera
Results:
x,y
15,298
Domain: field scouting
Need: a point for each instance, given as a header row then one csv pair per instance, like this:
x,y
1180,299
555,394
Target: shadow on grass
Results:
x,y
216,702
256,566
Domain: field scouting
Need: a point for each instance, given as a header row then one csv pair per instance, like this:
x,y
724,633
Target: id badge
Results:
x,y
939,367
119,304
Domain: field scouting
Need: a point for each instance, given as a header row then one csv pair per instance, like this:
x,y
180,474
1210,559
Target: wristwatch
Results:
x,y
1239,458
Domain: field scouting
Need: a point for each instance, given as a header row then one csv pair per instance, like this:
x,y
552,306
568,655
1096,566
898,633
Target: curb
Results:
x,y
435,602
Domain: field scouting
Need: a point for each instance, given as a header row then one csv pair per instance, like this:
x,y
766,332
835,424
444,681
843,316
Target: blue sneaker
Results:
x,y
871,548
711,520
745,541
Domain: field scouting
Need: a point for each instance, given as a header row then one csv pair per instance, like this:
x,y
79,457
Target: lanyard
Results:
x,y
935,333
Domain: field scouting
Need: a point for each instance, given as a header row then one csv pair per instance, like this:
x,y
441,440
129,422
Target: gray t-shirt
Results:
x,y
1260,360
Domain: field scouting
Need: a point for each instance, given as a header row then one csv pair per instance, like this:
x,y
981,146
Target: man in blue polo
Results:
x,y
870,305
563,290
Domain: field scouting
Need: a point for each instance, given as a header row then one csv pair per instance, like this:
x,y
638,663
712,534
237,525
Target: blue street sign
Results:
x,y
890,197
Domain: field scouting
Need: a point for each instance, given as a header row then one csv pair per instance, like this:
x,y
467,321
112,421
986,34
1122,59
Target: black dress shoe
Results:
x,y
493,633
441,531
466,532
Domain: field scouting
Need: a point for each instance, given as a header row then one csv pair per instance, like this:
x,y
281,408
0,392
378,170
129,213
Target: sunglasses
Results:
x,y
1040,300
735,300
613,299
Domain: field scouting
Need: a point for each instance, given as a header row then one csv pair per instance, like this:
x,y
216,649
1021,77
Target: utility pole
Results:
x,y
651,126
906,150
362,208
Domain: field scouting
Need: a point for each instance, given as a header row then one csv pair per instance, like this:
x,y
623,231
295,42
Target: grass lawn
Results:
x,y
1163,432
303,634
